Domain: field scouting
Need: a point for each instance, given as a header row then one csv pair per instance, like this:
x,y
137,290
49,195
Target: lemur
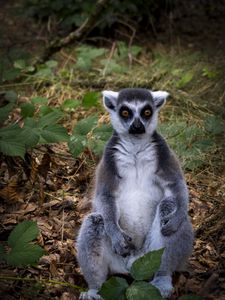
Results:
x,y
140,203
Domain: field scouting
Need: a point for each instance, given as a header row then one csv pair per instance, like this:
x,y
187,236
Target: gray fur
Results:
x,y
140,201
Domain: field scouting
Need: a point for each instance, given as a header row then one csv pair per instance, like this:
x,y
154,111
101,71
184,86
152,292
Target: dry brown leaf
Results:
x,y
68,296
11,191
33,170
44,166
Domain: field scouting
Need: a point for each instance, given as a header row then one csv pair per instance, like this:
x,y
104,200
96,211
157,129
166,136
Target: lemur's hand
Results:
x,y
169,217
121,243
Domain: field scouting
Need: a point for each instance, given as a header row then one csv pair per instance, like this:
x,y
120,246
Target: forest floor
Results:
x,y
52,187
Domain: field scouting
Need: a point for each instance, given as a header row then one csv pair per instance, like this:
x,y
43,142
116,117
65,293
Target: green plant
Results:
x,y
87,134
142,269
40,126
192,142
18,250
210,74
86,55
90,58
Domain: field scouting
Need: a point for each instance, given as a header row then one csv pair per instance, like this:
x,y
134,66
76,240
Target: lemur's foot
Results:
x,y
164,285
90,295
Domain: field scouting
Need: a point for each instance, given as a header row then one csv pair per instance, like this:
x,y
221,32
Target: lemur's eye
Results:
x,y
147,113
125,113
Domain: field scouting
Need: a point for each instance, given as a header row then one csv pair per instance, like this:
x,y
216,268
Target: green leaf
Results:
x,y
114,289
90,99
50,119
209,73
12,148
44,73
145,267
39,100
29,69
97,146
10,74
70,104
135,50
143,291
12,131
5,110
11,96
27,110
113,67
45,109
30,135
99,137
83,64
90,52
214,125
186,78
51,64
23,233
103,132
84,126
54,133
77,144
22,255
11,142
190,297
20,64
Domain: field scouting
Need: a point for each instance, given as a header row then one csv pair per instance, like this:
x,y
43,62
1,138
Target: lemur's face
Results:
x,y
135,116
134,111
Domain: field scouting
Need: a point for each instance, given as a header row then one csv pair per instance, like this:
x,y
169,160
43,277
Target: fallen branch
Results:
x,y
76,35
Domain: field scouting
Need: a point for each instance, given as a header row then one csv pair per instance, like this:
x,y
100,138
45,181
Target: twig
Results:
x,y
50,282
62,229
109,58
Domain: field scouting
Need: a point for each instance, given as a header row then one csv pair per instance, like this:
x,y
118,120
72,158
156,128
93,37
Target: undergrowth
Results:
x,y
190,122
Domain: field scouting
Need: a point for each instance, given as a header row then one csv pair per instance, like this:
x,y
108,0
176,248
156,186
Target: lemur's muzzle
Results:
x,y
137,127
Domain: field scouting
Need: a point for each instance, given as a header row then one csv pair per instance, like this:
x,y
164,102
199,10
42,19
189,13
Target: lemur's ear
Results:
x,y
110,99
159,98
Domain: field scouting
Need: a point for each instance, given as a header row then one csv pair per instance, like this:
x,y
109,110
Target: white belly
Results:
x,y
136,202
138,195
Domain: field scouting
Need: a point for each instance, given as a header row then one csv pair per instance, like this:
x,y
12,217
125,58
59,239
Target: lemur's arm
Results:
x,y
173,208
104,202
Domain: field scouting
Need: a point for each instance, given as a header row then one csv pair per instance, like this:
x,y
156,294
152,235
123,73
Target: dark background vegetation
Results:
x,y
53,127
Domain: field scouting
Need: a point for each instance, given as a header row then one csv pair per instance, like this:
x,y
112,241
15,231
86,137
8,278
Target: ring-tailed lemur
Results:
x,y
141,199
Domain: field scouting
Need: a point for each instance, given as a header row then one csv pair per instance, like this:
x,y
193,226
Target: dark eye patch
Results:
x,y
125,112
146,112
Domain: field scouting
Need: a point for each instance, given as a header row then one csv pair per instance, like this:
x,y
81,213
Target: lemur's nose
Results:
x,y
137,127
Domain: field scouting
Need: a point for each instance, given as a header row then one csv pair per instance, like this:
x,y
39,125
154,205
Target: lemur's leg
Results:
x,y
95,255
177,248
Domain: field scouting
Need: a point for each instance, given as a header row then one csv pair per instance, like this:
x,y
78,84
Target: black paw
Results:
x,y
167,207
169,226
96,218
122,244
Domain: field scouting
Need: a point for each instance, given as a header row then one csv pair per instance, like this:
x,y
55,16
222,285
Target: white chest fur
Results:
x,y
138,194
